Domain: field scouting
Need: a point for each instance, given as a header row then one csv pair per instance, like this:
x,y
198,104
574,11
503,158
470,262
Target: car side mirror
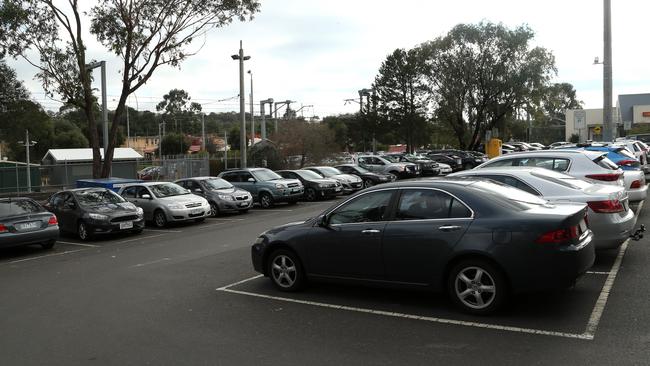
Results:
x,y
323,221
252,180
146,196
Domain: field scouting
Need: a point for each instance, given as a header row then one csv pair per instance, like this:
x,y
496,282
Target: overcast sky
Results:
x,y
320,52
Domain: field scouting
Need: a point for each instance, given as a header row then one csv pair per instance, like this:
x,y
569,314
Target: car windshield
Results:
x,y
308,174
392,158
361,169
265,175
328,171
167,190
509,193
97,197
18,207
214,184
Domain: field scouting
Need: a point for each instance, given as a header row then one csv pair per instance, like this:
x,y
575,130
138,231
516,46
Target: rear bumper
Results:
x,y
611,230
8,240
638,194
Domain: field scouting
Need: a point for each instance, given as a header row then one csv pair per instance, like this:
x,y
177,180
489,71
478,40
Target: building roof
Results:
x,y
626,103
79,155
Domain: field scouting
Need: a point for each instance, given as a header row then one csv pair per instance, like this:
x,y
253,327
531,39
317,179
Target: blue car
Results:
x,y
618,154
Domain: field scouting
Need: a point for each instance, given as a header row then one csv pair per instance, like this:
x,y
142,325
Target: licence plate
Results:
x,y
197,211
28,225
242,204
126,225
295,190
338,189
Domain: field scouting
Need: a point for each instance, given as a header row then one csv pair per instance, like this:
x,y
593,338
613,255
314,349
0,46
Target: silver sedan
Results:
x,y
609,215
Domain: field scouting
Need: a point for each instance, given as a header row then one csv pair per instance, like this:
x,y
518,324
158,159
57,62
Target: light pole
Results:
x,y
27,143
242,103
252,112
608,125
95,65
263,124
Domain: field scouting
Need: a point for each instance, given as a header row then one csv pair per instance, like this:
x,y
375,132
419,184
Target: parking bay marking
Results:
x,y
140,238
43,256
163,231
79,244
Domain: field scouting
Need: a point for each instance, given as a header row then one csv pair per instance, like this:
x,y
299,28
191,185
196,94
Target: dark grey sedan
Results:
x,y
476,239
23,222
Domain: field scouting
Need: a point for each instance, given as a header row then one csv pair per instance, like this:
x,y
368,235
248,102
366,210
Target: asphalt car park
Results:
x,y
176,296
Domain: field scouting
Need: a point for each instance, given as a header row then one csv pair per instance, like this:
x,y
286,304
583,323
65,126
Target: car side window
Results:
x,y
503,162
56,201
559,165
370,207
129,192
230,177
141,191
345,169
428,204
364,161
513,182
244,176
376,161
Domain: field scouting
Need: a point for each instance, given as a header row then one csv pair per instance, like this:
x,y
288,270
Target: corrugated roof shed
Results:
x,y
80,155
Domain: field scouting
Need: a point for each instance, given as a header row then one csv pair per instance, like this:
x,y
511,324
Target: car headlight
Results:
x,y
139,211
322,185
98,217
280,186
174,206
259,240
226,198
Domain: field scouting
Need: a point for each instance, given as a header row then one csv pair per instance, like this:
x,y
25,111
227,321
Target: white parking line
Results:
x,y
44,256
598,273
140,238
152,262
204,226
163,231
638,209
403,315
79,244
219,219
271,210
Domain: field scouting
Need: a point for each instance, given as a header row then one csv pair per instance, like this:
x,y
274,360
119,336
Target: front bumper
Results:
x,y
10,239
234,206
288,194
104,227
351,187
329,192
185,214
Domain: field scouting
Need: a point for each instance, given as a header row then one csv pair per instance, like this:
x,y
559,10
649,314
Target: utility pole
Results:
x,y
102,65
252,112
27,143
203,131
225,151
608,125
128,128
263,113
242,102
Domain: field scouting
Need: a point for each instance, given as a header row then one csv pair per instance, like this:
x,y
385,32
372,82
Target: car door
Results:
x,y
244,183
69,212
367,162
145,200
418,240
349,245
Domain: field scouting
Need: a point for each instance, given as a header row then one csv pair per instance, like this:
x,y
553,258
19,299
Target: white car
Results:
x,y
592,166
635,148
444,168
609,214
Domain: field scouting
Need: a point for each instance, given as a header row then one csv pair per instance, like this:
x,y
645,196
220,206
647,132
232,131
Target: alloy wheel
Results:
x,y
159,219
214,210
266,201
82,231
475,288
310,194
284,271
368,183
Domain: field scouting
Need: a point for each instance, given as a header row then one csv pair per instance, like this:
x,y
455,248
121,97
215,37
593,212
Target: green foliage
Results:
x,y
26,115
11,89
575,138
68,136
175,144
312,141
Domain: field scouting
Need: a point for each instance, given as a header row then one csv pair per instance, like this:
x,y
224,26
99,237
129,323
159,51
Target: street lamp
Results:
x,y
252,112
242,138
27,143
92,66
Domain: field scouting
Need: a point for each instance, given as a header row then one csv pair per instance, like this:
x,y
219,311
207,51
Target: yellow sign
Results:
x,y
597,130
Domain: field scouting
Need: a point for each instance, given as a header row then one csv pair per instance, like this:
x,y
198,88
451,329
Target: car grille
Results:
x,y
192,205
356,185
411,168
241,198
292,185
124,218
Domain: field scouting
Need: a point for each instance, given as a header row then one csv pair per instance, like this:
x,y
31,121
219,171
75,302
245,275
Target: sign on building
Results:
x,y
627,125
580,119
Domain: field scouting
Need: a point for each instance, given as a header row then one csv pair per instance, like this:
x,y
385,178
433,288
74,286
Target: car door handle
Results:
x,y
370,231
449,228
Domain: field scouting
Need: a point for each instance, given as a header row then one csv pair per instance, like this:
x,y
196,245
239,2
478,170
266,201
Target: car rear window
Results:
x,y
625,152
506,196
18,207
563,180
603,162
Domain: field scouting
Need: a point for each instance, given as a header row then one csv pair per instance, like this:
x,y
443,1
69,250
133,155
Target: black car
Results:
x,y
24,222
369,178
455,163
315,185
427,166
477,239
91,211
468,160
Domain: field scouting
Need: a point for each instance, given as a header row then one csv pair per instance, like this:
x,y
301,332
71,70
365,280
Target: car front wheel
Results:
x,y
310,194
367,183
477,286
285,271
159,219
214,209
83,231
266,201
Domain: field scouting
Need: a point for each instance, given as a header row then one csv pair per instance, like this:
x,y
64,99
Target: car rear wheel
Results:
x,y
477,286
83,231
310,194
48,244
214,209
367,183
285,270
266,201
159,219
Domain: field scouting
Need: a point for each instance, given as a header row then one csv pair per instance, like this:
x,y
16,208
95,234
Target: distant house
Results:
x,y
65,166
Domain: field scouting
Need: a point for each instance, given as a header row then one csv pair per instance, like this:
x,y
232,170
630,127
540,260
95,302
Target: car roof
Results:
x,y
87,189
425,183
511,169
198,178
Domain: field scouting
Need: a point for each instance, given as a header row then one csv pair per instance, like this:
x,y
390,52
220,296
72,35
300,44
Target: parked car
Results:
x,y
369,178
523,146
150,173
592,166
558,144
635,148
221,195
426,165
468,161
315,186
25,222
609,214
538,145
477,239
350,183
165,202
444,169
266,186
88,212
455,163
379,164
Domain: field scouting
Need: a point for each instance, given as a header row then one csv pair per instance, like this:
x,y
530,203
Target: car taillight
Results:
x,y
629,162
53,221
3,229
610,206
558,236
636,184
605,177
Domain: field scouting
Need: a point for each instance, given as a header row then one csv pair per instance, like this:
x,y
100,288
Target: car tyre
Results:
x,y
477,286
82,231
310,195
285,271
48,244
367,183
159,219
214,209
266,201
